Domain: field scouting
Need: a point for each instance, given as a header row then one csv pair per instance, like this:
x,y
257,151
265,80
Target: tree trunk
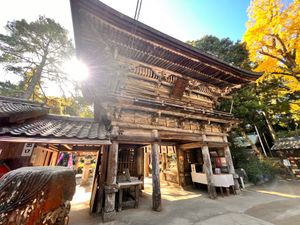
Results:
x,y
253,146
35,79
269,124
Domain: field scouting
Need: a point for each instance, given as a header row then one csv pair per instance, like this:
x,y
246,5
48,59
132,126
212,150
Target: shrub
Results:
x,y
259,170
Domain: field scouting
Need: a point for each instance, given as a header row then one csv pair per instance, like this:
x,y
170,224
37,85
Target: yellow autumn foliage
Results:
x,y
273,42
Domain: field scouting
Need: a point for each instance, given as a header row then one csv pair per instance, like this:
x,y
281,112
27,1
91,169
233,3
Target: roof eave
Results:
x,y
107,13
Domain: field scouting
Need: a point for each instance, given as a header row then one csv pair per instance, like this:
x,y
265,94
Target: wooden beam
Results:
x,y
134,139
163,128
191,145
156,195
215,144
211,144
86,148
165,135
63,148
191,112
52,140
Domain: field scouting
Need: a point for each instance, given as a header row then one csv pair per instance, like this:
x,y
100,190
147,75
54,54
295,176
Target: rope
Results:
x,y
136,18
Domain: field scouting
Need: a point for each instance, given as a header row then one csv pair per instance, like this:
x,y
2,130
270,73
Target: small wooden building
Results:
x,y
150,89
29,136
288,149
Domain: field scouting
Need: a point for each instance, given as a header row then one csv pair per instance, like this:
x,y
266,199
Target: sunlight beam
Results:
x,y
76,70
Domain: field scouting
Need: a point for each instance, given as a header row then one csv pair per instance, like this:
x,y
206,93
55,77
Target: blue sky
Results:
x,y
191,19
182,19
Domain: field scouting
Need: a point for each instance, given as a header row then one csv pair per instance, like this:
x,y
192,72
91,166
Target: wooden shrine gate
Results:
x,y
149,88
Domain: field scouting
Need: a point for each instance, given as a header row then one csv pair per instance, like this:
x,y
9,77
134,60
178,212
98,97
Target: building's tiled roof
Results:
x,y
290,143
58,127
14,109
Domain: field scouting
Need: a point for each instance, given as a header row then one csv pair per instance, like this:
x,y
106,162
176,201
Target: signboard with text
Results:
x,y
27,150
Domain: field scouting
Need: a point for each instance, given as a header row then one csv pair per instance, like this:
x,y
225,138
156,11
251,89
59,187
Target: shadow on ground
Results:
x,y
192,206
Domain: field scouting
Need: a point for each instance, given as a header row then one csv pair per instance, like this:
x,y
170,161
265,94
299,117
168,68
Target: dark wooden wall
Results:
x,y
128,160
11,155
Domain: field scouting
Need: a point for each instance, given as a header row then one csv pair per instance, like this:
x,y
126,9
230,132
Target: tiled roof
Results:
x,y
287,143
58,127
14,109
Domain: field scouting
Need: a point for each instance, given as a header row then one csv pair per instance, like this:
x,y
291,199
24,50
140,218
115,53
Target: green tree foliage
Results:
x,y
231,52
246,106
73,106
35,51
9,89
267,100
245,101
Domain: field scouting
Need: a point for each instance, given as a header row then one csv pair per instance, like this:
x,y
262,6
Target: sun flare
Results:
x,y
76,70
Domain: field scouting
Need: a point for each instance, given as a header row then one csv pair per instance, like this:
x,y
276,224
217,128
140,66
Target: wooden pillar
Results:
x,y
229,160
156,195
230,165
97,189
109,212
208,170
146,163
163,166
140,162
85,171
180,166
102,173
162,158
140,165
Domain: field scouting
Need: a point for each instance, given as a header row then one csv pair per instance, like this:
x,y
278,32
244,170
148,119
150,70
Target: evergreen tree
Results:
x,y
35,51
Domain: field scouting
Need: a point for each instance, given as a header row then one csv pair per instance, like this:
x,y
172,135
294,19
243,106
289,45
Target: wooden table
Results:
x,y
219,180
128,184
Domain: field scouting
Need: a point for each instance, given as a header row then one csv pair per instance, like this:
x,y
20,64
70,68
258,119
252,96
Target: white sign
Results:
x,y
27,150
286,162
